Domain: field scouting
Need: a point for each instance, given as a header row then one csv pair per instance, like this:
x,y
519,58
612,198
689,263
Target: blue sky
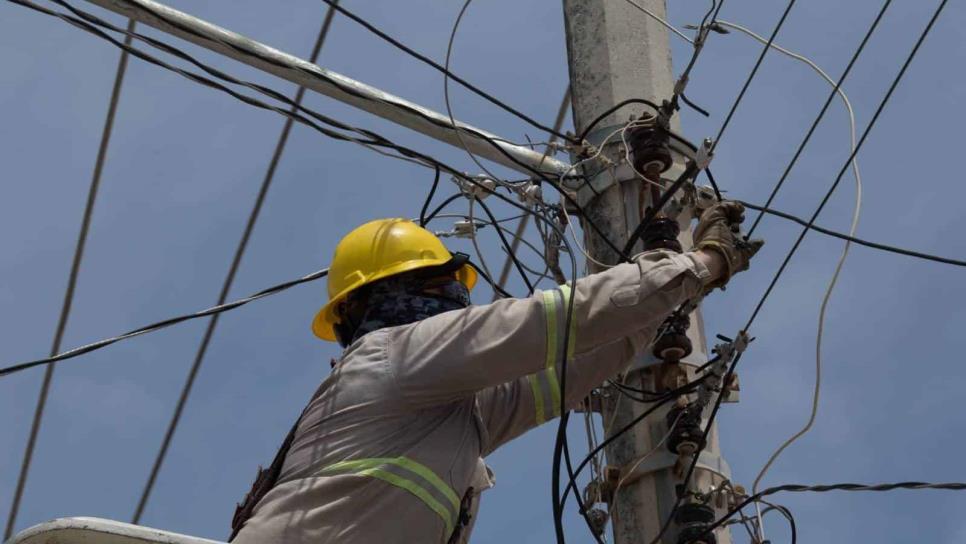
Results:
x,y
186,161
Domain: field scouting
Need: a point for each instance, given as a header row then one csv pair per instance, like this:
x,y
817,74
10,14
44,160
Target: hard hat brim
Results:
x,y
326,318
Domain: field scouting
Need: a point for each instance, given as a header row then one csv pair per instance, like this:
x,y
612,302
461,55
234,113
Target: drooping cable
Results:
x,y
836,90
818,355
555,132
372,140
229,280
71,284
838,178
821,206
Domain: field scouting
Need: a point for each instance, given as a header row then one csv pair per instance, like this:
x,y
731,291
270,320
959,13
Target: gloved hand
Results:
x,y
718,231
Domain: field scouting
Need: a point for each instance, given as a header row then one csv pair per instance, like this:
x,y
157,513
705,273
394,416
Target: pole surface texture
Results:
x,y
615,53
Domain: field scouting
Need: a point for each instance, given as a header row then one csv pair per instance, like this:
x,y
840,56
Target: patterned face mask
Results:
x,y
407,299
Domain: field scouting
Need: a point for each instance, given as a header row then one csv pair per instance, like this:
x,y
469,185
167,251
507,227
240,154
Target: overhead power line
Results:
x,y
444,70
753,73
838,178
816,392
366,138
799,488
163,324
230,277
805,231
71,283
854,240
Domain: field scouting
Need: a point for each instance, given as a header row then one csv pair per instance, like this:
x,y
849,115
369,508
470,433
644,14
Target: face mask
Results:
x,y
399,301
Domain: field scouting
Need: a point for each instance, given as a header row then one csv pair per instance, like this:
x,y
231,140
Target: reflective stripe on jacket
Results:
x,y
394,438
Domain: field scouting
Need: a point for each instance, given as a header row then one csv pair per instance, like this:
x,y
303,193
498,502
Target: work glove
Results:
x,y
718,230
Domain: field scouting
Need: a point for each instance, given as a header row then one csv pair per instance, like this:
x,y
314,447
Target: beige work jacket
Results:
x,y
391,446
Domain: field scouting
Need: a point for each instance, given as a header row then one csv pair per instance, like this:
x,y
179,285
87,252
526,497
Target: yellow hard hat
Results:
x,y
377,250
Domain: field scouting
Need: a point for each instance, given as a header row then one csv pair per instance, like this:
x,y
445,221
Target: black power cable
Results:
x,y
229,280
442,69
799,488
854,240
252,52
69,354
838,178
373,140
506,244
811,222
821,114
429,198
99,162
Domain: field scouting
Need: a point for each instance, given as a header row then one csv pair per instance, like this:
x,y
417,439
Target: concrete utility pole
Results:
x,y
617,52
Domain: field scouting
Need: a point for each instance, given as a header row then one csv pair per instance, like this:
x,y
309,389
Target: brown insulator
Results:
x,y
662,233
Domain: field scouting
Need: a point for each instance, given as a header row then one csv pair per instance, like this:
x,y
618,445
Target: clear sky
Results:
x,y
186,162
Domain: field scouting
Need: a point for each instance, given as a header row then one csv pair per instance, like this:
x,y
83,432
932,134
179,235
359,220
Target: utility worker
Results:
x,y
390,448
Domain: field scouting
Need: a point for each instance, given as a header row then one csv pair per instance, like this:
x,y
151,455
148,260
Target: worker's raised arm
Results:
x,y
459,353
599,324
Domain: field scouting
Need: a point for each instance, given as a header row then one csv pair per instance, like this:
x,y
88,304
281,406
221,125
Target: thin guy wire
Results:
x,y
71,283
751,76
229,280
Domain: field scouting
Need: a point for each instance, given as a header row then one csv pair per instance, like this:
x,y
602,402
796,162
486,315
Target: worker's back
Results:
x,y
358,434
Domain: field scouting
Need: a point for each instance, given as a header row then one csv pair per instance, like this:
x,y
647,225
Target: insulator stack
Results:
x,y
684,425
649,144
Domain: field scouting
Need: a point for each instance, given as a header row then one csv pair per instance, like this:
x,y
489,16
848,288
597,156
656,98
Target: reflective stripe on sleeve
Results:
x,y
409,475
544,384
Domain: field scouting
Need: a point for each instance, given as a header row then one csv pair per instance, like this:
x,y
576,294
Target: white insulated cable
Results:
x,y
835,276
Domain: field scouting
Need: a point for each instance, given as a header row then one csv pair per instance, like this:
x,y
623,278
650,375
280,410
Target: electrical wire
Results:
x,y
444,70
854,240
828,293
229,280
522,225
799,488
429,197
71,285
836,90
752,74
446,100
94,346
804,232
661,20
